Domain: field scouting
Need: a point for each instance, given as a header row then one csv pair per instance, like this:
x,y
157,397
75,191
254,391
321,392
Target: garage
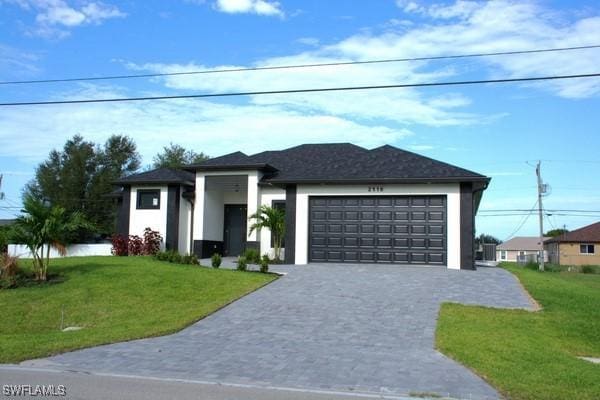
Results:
x,y
378,229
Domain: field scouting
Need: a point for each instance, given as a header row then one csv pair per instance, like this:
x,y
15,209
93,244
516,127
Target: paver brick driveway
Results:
x,y
362,328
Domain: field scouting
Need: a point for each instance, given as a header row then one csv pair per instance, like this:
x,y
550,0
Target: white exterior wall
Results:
x,y
267,195
75,250
452,192
213,215
153,219
185,225
209,208
235,197
252,202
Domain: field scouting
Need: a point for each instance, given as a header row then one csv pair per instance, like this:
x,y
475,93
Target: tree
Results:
x,y
43,227
79,177
484,238
176,156
274,220
556,232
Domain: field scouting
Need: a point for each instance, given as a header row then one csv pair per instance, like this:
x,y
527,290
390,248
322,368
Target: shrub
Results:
x,y
9,265
215,260
532,265
190,259
162,256
264,264
136,246
174,257
120,245
9,269
588,269
252,255
242,263
152,241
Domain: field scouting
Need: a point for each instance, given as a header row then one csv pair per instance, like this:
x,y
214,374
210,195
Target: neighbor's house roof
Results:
x,y
521,243
158,176
339,163
590,233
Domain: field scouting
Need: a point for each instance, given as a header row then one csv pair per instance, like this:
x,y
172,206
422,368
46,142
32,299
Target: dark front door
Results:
x,y
234,236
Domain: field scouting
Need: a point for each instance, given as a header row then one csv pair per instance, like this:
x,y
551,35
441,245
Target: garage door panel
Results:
x,y
378,229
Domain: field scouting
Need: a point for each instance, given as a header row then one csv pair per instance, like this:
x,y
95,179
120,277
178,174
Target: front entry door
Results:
x,y
234,236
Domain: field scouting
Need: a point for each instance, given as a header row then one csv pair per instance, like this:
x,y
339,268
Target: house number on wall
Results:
x,y
375,189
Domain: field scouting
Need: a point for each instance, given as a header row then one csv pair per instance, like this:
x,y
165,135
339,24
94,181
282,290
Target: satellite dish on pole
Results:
x,y
546,189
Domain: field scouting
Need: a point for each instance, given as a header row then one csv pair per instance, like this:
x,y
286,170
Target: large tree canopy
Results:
x,y
176,156
555,232
488,239
79,177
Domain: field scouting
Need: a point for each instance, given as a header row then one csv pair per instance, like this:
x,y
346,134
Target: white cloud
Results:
x,y
15,62
421,147
260,7
504,25
191,123
54,18
308,41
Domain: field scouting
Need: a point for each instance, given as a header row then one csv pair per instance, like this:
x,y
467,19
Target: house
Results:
x,y
6,222
519,248
343,203
578,247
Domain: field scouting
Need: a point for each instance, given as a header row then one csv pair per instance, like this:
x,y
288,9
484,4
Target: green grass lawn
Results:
x,y
532,355
113,299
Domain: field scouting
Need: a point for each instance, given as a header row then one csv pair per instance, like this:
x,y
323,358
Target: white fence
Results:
x,y
75,250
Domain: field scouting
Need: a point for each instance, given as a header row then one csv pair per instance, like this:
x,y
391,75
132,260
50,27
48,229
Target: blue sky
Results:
x,y
492,129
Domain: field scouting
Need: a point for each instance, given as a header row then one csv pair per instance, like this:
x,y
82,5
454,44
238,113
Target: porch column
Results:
x,y
198,216
252,204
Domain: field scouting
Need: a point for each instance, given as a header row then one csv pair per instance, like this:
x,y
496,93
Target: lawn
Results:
x,y
113,299
532,355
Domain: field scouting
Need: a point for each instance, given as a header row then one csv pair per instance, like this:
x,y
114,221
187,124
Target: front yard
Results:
x,y
532,355
113,299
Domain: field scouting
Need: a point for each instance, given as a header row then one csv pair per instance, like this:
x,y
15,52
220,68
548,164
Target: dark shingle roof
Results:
x,y
590,233
160,175
336,162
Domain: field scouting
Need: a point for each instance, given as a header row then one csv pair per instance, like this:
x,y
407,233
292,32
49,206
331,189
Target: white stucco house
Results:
x,y
343,204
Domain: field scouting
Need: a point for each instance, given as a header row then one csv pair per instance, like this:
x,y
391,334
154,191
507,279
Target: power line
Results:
x,y
289,91
295,66
545,210
522,222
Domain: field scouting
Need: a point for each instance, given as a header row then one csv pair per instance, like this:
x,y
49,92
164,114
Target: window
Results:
x,y
148,199
278,204
503,254
586,249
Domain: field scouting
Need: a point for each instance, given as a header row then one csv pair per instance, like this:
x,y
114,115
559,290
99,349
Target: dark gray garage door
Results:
x,y
378,229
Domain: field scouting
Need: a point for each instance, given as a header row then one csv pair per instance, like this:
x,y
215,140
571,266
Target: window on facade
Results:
x,y
503,255
279,204
148,199
587,249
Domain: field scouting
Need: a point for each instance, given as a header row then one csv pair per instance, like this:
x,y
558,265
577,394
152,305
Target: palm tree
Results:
x,y
272,219
44,227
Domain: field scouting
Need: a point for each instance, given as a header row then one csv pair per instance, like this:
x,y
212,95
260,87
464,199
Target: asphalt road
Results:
x,y
110,387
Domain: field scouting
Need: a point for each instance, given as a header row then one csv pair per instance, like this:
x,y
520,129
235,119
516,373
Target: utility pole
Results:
x,y
541,191
1,193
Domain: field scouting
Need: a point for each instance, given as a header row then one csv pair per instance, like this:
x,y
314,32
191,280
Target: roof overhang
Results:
x,y
152,182
275,181
231,167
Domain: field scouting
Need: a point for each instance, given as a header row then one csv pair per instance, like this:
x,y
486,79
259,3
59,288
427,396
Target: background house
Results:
x,y
578,247
519,248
